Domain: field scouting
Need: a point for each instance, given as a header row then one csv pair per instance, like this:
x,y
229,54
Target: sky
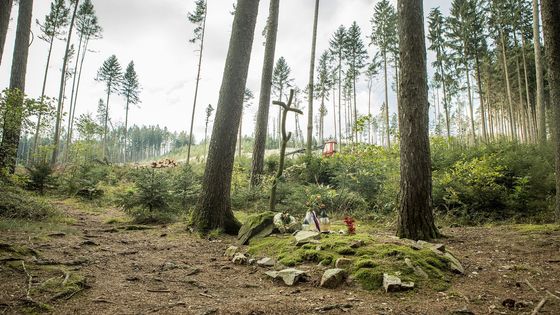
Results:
x,y
155,35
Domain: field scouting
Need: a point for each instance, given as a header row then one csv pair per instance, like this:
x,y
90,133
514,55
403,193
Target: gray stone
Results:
x,y
333,278
169,266
343,263
290,276
440,247
417,269
258,225
240,259
394,284
231,251
304,237
437,251
454,263
357,244
266,262
252,261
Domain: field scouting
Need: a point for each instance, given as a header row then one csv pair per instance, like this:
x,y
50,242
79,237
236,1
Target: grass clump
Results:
x,y
16,203
537,228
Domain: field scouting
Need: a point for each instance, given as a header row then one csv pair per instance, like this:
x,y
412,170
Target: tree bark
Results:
x,y
551,24
388,132
311,84
12,116
214,206
264,97
45,76
481,100
512,124
78,86
72,99
106,119
530,113
126,130
196,87
62,86
415,206
5,12
541,111
471,110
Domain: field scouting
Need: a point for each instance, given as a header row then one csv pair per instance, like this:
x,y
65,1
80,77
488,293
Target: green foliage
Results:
x,y
16,203
111,74
186,187
497,181
83,179
247,198
40,176
149,201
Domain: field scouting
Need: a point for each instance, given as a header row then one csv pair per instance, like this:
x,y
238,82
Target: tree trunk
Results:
x,y
481,99
530,112
126,130
551,24
106,119
311,84
386,101
541,111
355,120
72,99
214,207
334,111
340,101
512,124
39,117
13,117
415,207
78,87
471,110
370,84
5,12
239,144
61,91
445,105
196,87
522,109
261,125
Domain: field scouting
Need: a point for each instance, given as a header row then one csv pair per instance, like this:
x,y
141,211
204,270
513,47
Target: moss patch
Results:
x,y
534,228
370,260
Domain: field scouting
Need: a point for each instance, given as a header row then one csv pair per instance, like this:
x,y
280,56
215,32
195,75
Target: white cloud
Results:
x,y
155,35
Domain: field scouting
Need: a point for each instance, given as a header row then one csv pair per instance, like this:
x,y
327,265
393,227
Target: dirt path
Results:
x,y
168,271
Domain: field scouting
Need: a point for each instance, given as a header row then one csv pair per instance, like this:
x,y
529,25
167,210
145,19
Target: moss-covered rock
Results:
x,y
258,225
369,262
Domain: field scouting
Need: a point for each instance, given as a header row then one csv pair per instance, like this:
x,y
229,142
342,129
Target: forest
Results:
x,y
280,157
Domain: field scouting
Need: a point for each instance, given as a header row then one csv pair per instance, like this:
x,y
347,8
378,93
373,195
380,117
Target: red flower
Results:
x,y
349,221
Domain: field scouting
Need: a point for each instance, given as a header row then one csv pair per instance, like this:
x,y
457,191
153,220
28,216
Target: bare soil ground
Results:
x,y
166,270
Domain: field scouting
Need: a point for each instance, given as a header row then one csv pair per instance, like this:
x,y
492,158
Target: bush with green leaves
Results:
x,y
40,176
186,187
84,179
247,198
149,201
295,198
498,181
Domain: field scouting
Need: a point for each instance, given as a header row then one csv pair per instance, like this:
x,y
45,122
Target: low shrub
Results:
x,y
83,179
16,203
40,177
149,201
